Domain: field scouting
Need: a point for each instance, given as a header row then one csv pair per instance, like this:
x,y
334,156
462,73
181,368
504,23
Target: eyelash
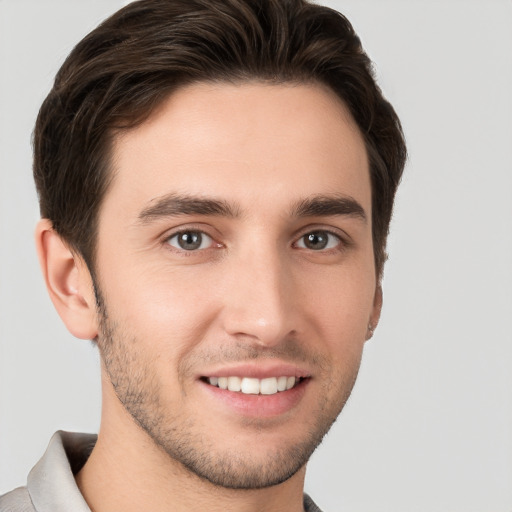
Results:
x,y
318,233
189,232
341,242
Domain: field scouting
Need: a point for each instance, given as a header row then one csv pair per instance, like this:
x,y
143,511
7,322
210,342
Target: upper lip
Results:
x,y
257,370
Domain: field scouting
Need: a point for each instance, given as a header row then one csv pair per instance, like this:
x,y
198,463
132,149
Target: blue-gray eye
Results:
x,y
318,241
190,240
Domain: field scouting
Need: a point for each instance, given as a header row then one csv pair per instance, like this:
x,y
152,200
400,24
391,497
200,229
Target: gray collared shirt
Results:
x,y
51,485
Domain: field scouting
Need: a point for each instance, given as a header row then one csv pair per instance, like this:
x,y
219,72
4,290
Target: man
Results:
x,y
216,181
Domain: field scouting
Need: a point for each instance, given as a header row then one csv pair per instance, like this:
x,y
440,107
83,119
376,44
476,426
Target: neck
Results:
x,y
128,471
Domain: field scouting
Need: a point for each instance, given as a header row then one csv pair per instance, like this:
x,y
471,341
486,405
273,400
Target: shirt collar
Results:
x,y
51,483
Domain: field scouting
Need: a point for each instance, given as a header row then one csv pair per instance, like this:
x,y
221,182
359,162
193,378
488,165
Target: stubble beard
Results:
x,y
186,442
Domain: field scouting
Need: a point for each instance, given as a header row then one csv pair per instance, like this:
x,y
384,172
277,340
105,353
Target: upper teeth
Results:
x,y
251,386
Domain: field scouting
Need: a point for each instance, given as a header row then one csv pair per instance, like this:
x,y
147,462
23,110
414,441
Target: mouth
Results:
x,y
261,390
255,386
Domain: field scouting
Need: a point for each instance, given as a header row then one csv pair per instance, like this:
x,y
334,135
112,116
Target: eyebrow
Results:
x,y
172,205
329,205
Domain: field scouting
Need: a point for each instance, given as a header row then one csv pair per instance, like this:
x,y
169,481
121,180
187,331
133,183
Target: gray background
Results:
x,y
429,425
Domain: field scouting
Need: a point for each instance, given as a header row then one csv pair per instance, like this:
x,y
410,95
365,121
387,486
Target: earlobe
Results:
x,y
68,282
376,310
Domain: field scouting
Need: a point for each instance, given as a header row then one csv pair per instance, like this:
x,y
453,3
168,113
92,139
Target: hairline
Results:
x,y
113,133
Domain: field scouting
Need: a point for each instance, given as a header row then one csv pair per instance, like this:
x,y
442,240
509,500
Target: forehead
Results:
x,y
242,142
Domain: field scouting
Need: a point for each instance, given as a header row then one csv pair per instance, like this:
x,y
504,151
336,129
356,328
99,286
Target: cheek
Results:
x,y
162,306
341,301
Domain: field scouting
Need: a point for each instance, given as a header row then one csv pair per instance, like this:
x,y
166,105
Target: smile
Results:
x,y
253,386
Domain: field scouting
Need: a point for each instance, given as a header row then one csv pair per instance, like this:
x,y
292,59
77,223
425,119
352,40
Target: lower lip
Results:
x,y
259,406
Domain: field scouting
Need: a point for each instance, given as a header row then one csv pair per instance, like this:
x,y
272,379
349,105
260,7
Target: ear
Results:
x,y
68,282
375,314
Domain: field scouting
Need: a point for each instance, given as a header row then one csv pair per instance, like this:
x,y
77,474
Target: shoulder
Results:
x,y
16,501
51,484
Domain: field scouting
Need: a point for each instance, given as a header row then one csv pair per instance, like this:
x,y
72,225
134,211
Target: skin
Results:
x,y
254,296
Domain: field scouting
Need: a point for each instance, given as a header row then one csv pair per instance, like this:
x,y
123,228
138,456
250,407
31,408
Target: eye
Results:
x,y
190,240
318,241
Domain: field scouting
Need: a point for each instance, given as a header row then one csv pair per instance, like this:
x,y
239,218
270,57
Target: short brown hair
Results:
x,y
119,73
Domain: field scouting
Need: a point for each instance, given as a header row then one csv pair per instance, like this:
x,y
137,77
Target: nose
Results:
x,y
260,299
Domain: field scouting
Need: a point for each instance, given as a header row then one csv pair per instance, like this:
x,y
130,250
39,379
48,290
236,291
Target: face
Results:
x,y
236,276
